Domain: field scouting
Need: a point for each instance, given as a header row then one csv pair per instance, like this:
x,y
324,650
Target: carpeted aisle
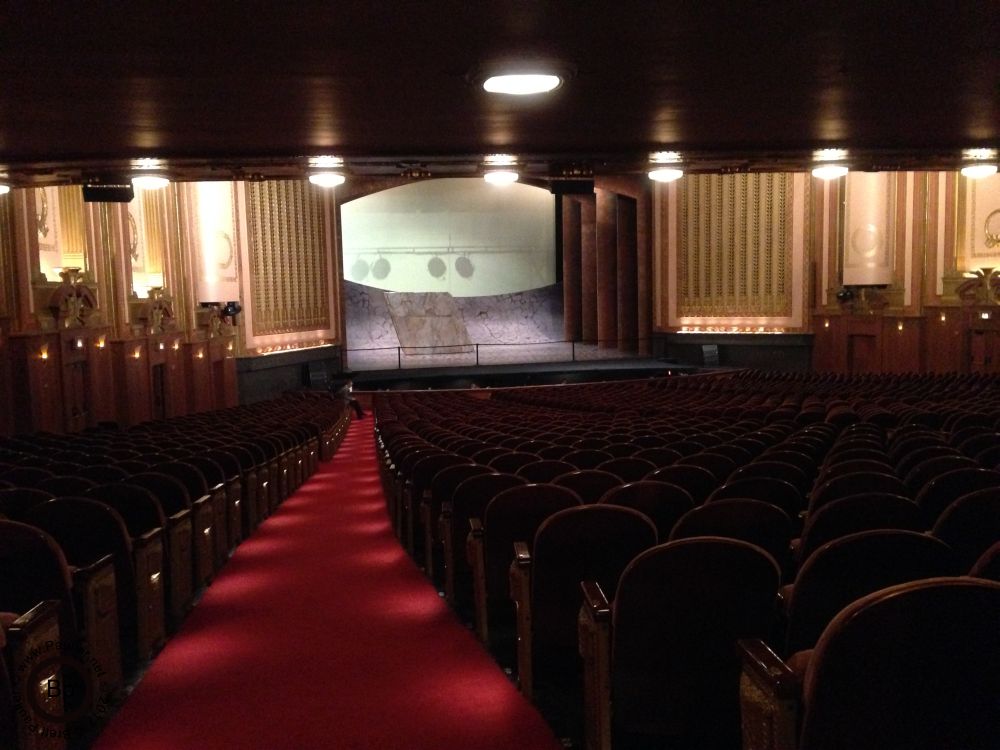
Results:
x,y
321,633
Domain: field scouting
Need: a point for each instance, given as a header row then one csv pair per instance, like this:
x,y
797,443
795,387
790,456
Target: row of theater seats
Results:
x,y
108,536
597,522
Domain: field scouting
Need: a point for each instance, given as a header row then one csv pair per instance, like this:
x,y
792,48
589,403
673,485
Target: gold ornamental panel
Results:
x,y
735,250
288,262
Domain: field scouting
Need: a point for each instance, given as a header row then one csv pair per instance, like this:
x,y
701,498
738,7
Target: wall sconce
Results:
x,y
229,346
899,326
137,353
984,315
162,346
43,353
177,345
201,354
79,343
101,342
826,323
944,318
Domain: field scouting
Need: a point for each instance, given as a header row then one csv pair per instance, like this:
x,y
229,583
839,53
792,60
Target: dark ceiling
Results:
x,y
242,88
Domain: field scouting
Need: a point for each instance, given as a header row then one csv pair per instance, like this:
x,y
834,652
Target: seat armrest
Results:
x,y
770,699
520,594
595,603
476,527
475,553
38,616
522,555
594,638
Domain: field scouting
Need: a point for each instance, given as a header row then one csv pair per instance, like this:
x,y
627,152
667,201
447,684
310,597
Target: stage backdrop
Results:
x,y
457,235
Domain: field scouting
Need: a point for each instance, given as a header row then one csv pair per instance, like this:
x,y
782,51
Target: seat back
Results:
x,y
720,465
946,488
853,484
988,564
855,565
589,484
679,611
911,666
866,511
661,502
581,543
970,525
544,470
930,468
170,491
514,515
33,568
698,481
511,461
628,469
774,470
775,491
760,523
17,501
586,458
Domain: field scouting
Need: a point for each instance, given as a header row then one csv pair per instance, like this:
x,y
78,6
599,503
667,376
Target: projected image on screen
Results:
x,y
457,235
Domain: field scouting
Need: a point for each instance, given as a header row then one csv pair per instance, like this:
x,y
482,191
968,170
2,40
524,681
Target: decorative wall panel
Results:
x,y
869,228
289,279
735,250
979,233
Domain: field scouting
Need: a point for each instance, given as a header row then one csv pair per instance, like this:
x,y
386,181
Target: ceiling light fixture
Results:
x,y
978,171
522,84
665,157
149,182
666,174
327,179
830,169
501,176
982,163
325,162
499,160
4,188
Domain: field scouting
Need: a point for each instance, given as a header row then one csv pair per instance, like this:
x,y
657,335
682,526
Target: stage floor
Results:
x,y
478,355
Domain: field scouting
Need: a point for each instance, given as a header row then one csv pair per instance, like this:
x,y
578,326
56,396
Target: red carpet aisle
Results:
x,y
321,633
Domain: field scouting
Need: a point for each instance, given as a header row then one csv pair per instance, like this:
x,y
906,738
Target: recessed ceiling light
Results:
x,y
149,182
522,84
501,177
665,157
978,171
499,160
666,174
325,162
830,171
326,179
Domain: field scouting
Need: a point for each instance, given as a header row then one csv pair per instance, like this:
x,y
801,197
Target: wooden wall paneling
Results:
x,y
829,344
901,347
945,345
199,376
572,292
225,391
174,374
6,392
35,363
132,386
607,268
100,377
588,269
864,344
628,273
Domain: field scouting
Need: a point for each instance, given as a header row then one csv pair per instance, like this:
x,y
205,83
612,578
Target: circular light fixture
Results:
x,y
501,177
522,84
360,269
465,267
327,179
830,171
436,267
149,182
978,171
381,268
666,174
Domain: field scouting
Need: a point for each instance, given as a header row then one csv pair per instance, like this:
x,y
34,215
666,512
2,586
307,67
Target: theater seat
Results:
x,y
851,567
589,484
661,502
591,542
889,671
970,525
672,630
988,564
513,515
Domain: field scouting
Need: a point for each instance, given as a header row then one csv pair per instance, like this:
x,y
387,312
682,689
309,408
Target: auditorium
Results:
x,y
504,375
